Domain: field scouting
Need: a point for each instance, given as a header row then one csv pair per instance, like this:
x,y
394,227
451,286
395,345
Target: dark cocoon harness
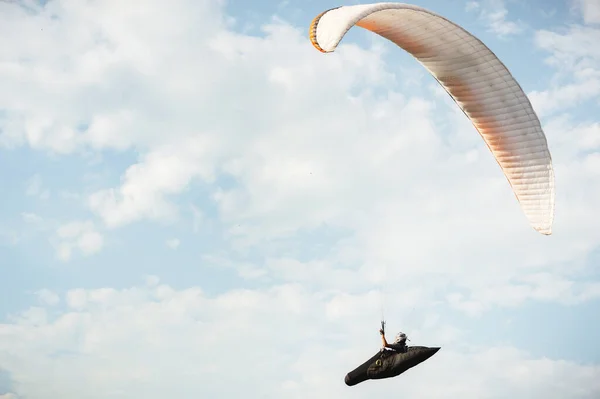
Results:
x,y
386,364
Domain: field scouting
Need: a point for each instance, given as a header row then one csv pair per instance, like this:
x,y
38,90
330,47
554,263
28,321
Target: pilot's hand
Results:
x,y
381,331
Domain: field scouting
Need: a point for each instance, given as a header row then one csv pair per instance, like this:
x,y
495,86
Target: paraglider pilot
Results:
x,y
399,344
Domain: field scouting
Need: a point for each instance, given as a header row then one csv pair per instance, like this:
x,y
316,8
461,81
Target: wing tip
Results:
x,y
312,31
544,230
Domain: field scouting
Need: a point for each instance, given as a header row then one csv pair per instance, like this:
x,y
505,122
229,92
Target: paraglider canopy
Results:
x,y
476,80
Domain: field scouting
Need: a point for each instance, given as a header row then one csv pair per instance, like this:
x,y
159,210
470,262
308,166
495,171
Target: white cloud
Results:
x,y
197,217
495,15
80,235
162,172
590,10
173,243
576,56
108,346
471,5
31,218
541,287
152,281
48,297
10,237
573,94
34,188
77,299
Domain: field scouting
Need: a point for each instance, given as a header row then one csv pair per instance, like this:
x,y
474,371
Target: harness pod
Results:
x,y
387,364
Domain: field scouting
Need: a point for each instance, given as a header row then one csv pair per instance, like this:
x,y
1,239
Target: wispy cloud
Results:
x,y
34,188
80,235
589,9
173,243
575,55
31,218
494,14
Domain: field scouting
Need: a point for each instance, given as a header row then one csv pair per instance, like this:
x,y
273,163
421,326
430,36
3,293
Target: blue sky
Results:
x,y
189,183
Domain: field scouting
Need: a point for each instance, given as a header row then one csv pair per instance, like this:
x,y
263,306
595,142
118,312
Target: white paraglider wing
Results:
x,y
477,81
